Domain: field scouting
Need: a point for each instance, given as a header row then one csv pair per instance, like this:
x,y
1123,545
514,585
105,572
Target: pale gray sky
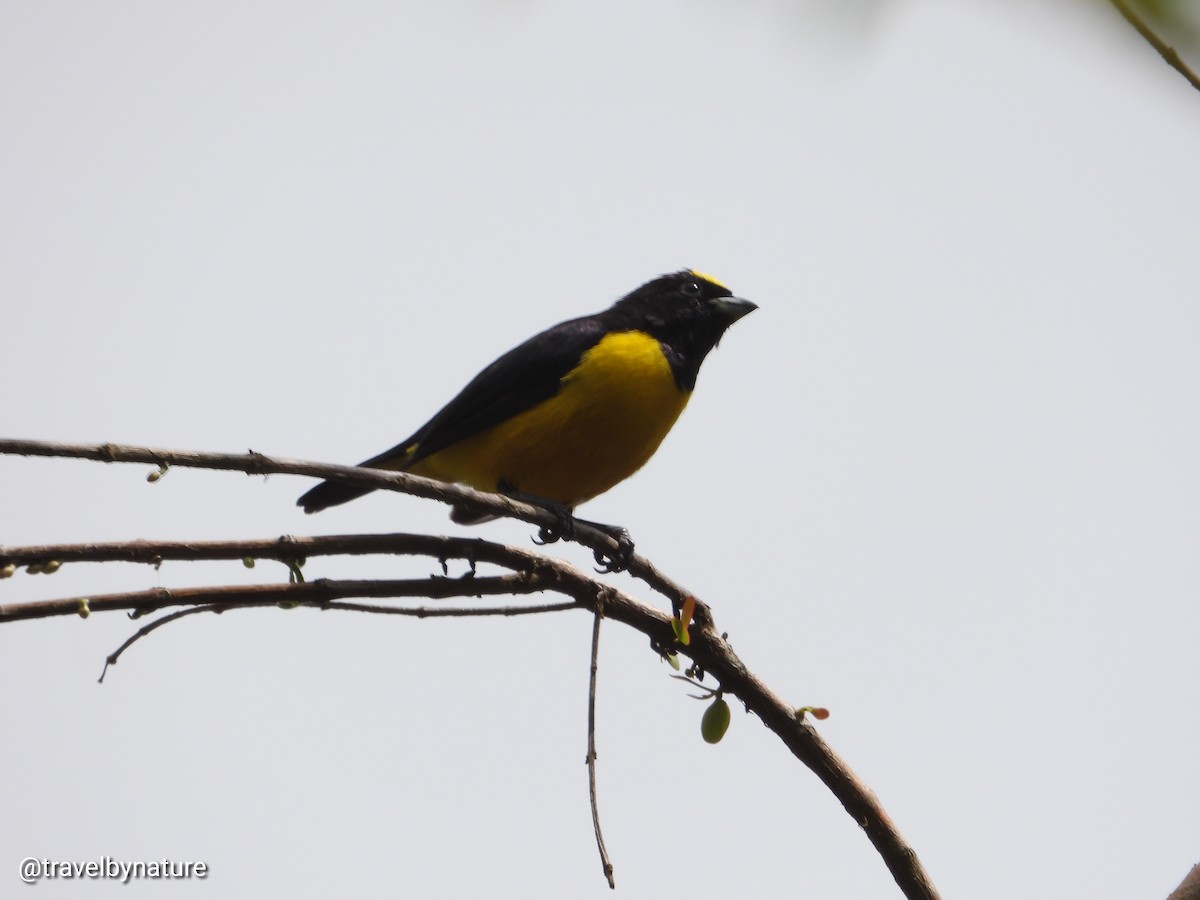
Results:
x,y
943,482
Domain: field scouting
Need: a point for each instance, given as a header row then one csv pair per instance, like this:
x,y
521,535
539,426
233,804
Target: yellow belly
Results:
x,y
609,416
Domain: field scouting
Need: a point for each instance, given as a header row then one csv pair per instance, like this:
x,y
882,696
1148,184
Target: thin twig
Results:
x,y
1165,50
112,658
591,749
420,612
450,612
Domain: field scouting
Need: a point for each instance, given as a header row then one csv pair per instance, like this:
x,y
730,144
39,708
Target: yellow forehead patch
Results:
x,y
722,285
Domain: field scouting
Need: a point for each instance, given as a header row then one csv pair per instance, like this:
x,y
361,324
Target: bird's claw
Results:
x,y
617,560
563,528
548,535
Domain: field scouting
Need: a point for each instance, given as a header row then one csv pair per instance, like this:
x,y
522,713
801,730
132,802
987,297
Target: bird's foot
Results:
x,y
615,560
564,529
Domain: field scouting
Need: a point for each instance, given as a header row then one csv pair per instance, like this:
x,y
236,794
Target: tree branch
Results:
x,y
1167,52
257,464
529,572
320,593
1189,888
420,612
605,862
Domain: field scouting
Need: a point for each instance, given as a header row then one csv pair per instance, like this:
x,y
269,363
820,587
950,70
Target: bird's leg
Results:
x,y
564,529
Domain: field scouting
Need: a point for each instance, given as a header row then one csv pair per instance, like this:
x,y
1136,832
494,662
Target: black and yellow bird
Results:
x,y
572,411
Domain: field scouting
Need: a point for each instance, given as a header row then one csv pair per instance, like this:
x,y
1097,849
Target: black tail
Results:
x,y
330,493
333,493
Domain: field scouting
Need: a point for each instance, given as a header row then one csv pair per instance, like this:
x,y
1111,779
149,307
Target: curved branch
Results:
x,y
113,658
420,612
529,572
707,648
257,464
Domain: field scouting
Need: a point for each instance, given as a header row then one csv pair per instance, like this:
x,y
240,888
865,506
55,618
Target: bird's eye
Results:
x,y
690,289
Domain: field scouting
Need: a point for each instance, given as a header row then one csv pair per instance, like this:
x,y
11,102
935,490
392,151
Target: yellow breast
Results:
x,y
607,419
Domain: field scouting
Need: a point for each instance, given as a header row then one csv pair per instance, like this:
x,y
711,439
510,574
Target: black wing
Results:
x,y
517,381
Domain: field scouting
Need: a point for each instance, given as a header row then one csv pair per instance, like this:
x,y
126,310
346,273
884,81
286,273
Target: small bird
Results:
x,y
572,411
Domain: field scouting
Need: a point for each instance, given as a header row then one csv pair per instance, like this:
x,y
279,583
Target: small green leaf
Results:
x,y
715,722
673,661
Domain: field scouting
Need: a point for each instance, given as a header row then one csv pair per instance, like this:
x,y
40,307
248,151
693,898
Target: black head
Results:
x,y
687,311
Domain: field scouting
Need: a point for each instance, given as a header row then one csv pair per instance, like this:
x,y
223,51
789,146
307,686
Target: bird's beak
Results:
x,y
732,308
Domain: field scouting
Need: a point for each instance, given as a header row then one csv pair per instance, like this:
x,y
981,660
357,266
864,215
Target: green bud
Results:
x,y
715,722
84,609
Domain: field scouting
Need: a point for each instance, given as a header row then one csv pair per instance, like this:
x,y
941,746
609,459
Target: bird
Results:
x,y
572,411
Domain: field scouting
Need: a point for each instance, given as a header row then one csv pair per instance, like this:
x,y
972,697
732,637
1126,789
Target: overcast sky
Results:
x,y
944,482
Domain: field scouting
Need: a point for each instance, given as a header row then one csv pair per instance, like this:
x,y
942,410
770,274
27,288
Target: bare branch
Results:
x,y
605,862
530,572
1167,52
285,549
258,464
419,612
1189,888
113,657
320,592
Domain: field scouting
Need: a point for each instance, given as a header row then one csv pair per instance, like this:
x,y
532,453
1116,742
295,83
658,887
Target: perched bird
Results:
x,y
572,411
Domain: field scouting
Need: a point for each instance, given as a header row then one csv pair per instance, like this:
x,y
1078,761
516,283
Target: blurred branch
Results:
x,y
1166,51
528,572
1189,888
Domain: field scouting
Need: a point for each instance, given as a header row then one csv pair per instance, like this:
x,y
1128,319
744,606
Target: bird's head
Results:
x,y
687,311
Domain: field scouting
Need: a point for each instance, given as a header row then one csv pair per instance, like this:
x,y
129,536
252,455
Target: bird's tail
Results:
x,y
463,515
334,493
330,493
